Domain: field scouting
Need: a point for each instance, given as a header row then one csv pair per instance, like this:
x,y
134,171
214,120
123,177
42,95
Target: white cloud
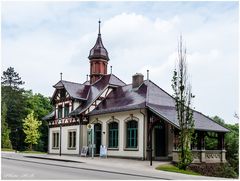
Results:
x,y
56,37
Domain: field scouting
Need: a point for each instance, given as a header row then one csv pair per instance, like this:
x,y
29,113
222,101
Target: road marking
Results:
x,y
90,169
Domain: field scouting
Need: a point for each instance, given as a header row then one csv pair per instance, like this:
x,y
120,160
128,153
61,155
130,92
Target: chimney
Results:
x,y
137,80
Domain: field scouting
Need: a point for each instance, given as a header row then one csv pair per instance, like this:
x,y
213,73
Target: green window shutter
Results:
x,y
66,110
132,134
59,112
113,135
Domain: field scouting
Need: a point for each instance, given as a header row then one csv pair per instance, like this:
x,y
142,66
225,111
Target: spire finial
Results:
x,y
87,77
99,24
111,69
61,75
147,74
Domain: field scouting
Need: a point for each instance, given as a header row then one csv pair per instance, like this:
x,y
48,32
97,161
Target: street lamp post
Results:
x,y
151,148
150,127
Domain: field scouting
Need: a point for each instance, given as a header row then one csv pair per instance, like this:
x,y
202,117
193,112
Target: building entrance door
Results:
x,y
97,137
159,137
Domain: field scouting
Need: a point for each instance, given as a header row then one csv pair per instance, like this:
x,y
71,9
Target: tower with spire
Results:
x,y
98,57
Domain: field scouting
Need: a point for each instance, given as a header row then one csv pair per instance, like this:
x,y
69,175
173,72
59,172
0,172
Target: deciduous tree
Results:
x,y
183,98
30,128
41,107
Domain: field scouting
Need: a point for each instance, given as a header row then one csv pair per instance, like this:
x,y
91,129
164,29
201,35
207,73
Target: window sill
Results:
x,y
113,149
55,148
131,149
72,148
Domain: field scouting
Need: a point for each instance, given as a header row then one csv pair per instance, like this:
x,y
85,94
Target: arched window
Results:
x,y
113,135
132,134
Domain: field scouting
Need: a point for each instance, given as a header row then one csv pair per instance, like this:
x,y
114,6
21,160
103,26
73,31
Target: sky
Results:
x,y
42,39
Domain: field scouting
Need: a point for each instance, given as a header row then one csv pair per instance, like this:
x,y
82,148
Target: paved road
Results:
x,y
16,169
31,166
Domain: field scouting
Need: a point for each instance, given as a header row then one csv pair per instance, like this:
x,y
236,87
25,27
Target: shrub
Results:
x,y
227,171
214,169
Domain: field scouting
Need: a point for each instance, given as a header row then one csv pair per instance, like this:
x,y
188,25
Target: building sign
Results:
x,y
103,151
84,151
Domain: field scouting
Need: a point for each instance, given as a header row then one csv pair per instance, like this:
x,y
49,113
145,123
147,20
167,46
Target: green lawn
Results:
x,y
172,168
34,152
27,151
7,149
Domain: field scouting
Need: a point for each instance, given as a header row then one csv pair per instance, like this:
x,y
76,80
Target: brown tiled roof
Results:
x,y
124,98
96,89
75,90
150,96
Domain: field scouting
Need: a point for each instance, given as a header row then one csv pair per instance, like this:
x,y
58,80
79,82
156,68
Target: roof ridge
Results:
x,y
71,82
84,83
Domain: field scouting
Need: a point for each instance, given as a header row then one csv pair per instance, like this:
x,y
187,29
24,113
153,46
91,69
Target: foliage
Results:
x,y
30,128
19,103
15,101
7,149
183,98
214,169
231,144
11,78
41,107
172,168
5,131
227,171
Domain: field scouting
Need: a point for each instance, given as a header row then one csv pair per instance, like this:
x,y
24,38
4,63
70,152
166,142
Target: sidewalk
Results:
x,y
114,165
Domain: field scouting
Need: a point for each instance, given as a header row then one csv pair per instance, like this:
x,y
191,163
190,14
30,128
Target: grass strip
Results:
x,y
172,168
33,152
7,149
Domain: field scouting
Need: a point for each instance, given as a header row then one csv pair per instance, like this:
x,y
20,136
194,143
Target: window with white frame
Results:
x,y
55,140
72,139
